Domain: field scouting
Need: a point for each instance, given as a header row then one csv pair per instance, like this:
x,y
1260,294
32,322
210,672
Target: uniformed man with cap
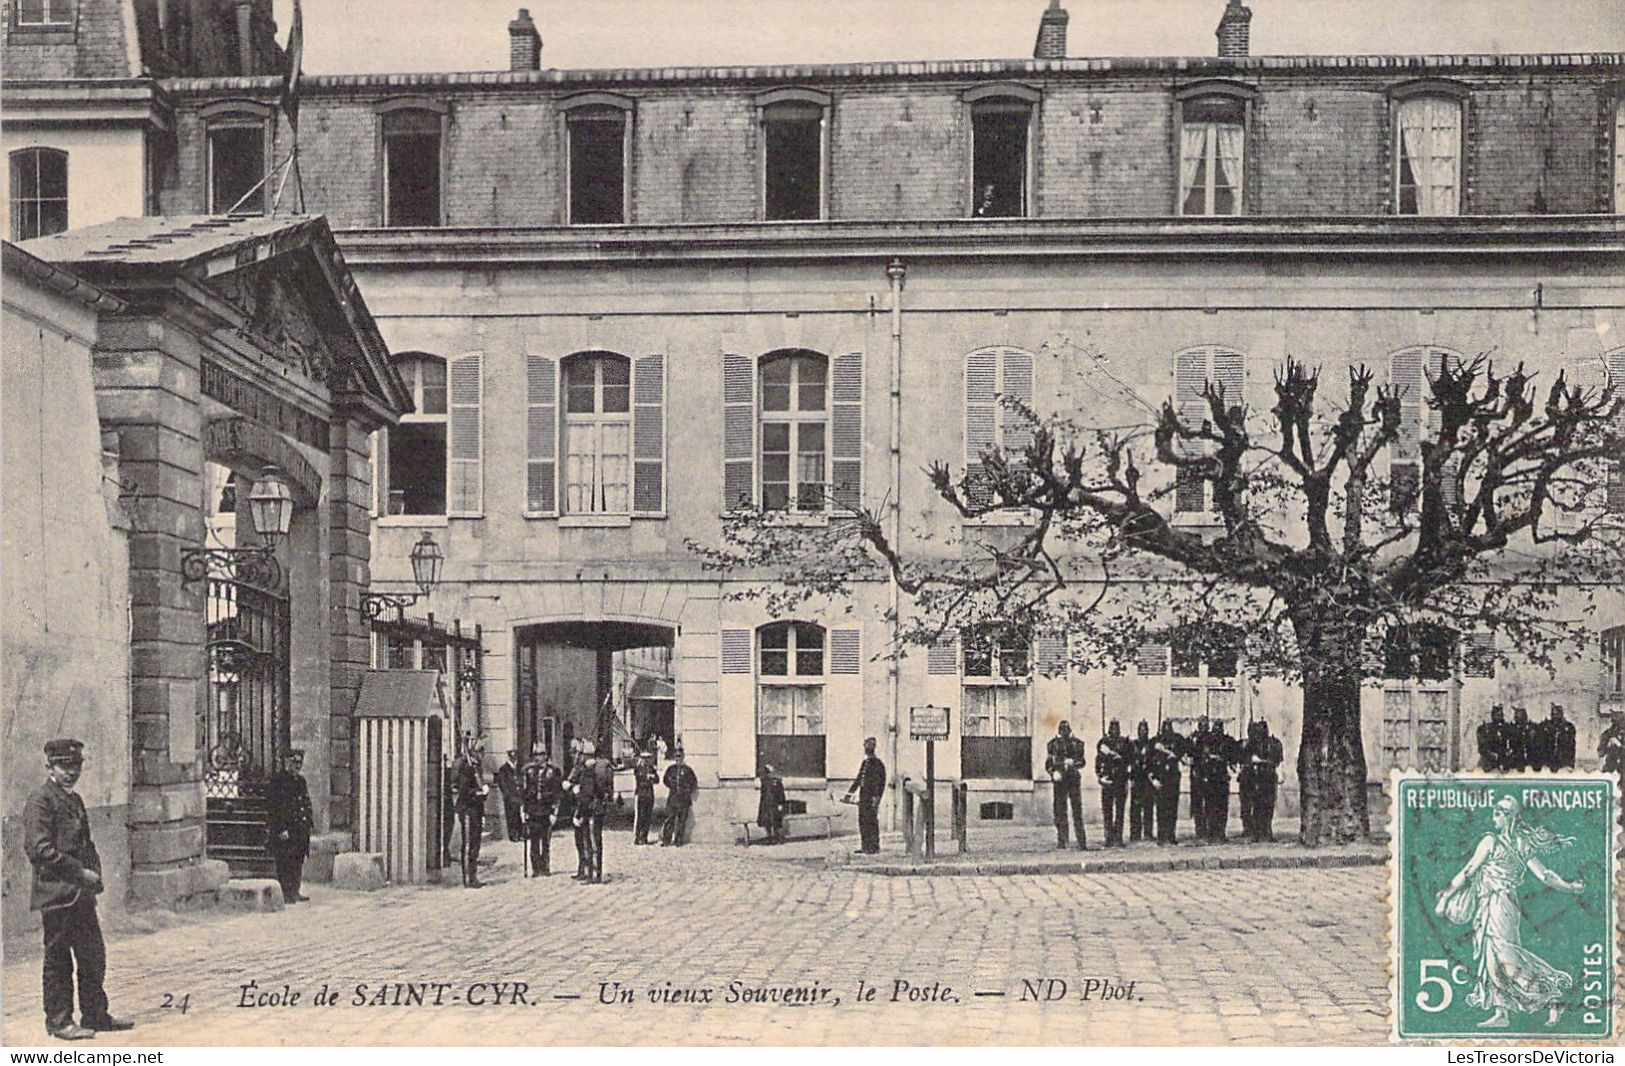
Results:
x,y
644,778
1493,737
1260,765
542,782
470,789
1142,795
67,879
288,821
1064,759
681,784
1113,754
870,786
1168,748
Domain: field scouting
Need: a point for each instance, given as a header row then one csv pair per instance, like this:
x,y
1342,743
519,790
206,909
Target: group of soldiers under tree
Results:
x,y
1524,745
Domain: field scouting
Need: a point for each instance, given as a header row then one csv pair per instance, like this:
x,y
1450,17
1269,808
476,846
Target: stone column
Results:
x,y
349,491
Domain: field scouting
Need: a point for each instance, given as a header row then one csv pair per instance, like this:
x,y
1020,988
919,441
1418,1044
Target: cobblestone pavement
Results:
x,y
1216,956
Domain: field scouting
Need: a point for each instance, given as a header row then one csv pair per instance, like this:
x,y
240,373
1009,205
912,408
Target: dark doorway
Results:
x,y
609,682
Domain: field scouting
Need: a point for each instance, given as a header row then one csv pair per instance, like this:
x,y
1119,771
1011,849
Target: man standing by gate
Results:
x,y
1064,763
288,823
542,781
511,787
870,785
470,790
681,784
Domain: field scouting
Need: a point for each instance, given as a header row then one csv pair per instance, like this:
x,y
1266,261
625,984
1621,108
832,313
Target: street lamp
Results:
x,y
270,509
426,558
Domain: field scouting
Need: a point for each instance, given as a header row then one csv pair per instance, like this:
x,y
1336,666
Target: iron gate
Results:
x,y
245,725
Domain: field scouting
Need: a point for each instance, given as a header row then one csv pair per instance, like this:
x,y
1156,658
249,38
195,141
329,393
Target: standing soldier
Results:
x,y
1064,761
1559,740
1492,741
595,797
1142,795
1223,751
1260,763
681,784
512,789
1113,756
1167,748
1518,741
542,781
67,879
644,777
578,786
470,789
1200,786
870,785
1611,750
770,805
288,823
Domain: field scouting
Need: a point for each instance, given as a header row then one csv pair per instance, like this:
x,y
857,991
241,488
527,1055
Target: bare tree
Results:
x,y
1319,556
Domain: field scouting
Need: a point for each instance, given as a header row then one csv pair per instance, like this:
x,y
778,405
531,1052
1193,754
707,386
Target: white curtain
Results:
x,y
1230,147
1192,146
1430,141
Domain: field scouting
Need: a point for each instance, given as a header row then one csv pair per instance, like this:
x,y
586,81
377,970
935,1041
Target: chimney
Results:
x,y
1233,29
524,43
1051,43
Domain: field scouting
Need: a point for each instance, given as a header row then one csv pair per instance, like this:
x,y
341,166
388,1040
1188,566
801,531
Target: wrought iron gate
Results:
x,y
245,725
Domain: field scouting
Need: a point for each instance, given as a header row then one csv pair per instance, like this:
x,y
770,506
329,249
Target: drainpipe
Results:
x,y
896,273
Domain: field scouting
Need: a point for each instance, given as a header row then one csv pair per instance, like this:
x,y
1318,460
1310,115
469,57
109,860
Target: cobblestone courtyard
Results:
x,y
1272,956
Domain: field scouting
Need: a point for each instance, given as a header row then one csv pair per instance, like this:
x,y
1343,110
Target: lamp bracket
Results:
x,y
374,605
252,566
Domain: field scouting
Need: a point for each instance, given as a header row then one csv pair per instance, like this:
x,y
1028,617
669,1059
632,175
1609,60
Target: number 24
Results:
x,y
172,1003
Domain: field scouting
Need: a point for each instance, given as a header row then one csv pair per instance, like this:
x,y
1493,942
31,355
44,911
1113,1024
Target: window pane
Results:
x,y
810,391
793,164
1187,662
1014,658
776,385
1216,109
617,375
999,161
580,392
433,376
980,708
237,164
775,637
597,167
1014,718
417,468
615,467
776,437
776,705
25,175
809,710
413,180
809,649
978,658
580,468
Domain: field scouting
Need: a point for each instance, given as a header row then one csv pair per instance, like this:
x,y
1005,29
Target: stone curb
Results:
x,y
1119,866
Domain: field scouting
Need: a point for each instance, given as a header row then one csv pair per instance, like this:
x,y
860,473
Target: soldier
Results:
x,y
681,784
1064,763
67,879
1518,741
470,790
512,789
1492,741
1558,743
1113,756
288,823
644,778
579,785
1142,802
870,786
542,782
1611,751
596,794
1260,762
770,805
1167,749
1200,787
1221,753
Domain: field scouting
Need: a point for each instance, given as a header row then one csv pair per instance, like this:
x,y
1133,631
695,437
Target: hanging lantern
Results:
x,y
270,506
426,560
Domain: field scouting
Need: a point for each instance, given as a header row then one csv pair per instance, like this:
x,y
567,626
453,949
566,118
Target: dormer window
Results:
x,y
411,140
1001,119
794,126
238,148
597,134
1427,149
1212,134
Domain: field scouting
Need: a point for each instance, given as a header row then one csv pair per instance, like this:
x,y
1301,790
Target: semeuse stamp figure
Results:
x,y
1490,938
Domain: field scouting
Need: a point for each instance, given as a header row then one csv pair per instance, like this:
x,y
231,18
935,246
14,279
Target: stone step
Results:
x,y
260,894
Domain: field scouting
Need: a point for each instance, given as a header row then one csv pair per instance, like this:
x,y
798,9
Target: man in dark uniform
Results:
x,y
1063,761
578,786
681,784
1492,741
1142,795
1558,744
1167,748
770,805
1260,762
1518,739
870,785
1113,756
67,879
512,789
541,784
595,791
644,778
1611,752
1217,756
470,789
288,823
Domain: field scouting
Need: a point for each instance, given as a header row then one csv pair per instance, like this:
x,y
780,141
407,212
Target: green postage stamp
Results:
x,y
1503,906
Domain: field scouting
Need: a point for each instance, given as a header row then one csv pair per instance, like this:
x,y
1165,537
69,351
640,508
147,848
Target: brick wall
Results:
x,y
1319,148
1534,147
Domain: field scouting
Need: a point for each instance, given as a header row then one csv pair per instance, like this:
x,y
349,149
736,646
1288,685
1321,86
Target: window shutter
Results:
x,y
1190,374
845,654
846,431
1615,362
649,435
1151,660
1017,385
1478,654
735,651
1051,656
942,658
981,419
465,495
1230,373
541,435
738,433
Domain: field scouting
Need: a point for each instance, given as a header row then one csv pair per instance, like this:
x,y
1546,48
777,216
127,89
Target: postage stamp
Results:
x,y
1503,906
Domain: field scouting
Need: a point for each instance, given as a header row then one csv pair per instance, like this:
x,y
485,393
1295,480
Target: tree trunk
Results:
x,y
1331,756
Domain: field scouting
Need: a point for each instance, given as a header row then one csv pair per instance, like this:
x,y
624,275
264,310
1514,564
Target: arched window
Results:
x,y
1212,148
597,433
794,130
790,673
238,135
598,139
410,134
795,431
1427,148
1193,369
39,193
1001,121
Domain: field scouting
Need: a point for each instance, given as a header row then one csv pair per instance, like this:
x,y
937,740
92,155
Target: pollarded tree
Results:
x,y
1318,553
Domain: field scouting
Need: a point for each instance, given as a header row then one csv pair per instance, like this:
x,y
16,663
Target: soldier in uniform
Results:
x,y
470,789
681,784
1260,762
593,799
870,786
644,777
1518,741
1611,751
1113,756
1064,761
1167,749
288,823
1492,741
1142,801
578,788
542,782
1200,786
67,879
770,805
512,789
1557,740
1223,751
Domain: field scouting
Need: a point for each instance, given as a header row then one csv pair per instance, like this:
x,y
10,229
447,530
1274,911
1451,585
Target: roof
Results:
x,y
651,688
400,694
18,263
209,242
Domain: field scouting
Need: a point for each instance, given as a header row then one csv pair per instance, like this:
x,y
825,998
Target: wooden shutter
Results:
x,y
541,435
1016,383
736,704
846,431
738,432
1051,656
1190,374
1229,370
464,491
735,651
649,435
1411,369
1478,654
845,651
981,419
942,658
